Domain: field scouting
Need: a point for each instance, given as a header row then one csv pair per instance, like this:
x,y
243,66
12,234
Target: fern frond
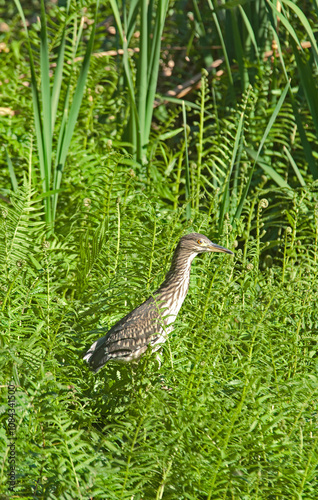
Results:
x,y
21,224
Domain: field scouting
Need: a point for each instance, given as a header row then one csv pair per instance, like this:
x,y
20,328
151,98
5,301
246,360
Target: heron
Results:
x,y
152,321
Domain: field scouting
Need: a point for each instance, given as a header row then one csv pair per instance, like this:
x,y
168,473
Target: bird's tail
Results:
x,y
95,356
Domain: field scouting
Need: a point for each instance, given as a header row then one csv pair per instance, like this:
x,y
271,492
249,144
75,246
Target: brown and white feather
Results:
x,y
151,322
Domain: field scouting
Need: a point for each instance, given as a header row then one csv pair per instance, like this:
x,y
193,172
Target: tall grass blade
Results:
x,y
200,139
13,178
153,67
37,117
142,77
134,120
295,168
293,6
286,23
45,121
275,35
310,92
66,104
142,95
58,75
72,118
218,28
268,169
187,166
239,51
249,29
267,130
313,167
46,96
225,203
130,18
309,85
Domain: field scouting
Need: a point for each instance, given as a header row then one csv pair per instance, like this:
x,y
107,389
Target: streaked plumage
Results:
x,y
151,322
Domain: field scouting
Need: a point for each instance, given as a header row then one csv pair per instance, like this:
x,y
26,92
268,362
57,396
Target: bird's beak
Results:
x,y
218,248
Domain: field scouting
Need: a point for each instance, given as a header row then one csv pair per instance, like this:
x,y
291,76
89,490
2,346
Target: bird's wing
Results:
x,y
130,336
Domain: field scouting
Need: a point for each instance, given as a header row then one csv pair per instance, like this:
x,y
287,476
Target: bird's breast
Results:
x,y
173,302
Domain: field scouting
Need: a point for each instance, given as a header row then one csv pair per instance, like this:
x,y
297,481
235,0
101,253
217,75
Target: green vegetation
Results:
x,y
82,245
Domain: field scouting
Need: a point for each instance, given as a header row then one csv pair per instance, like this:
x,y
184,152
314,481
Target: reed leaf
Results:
x,y
142,88
267,130
45,115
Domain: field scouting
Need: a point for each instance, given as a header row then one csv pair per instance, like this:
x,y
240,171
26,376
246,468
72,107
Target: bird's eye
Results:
x,y
199,242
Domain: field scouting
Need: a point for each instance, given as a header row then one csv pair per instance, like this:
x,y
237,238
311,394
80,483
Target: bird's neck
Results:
x,y
178,277
173,290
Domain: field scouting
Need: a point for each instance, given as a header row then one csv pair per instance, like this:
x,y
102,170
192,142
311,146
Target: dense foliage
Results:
x,y
232,413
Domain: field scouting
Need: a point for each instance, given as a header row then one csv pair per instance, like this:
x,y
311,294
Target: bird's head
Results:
x,y
198,243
